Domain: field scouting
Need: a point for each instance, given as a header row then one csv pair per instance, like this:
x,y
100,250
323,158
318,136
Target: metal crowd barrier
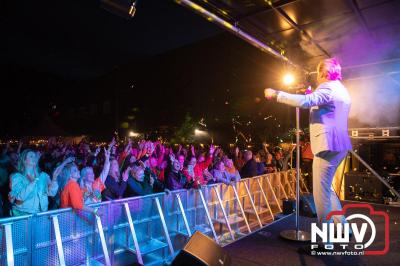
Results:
x,y
150,229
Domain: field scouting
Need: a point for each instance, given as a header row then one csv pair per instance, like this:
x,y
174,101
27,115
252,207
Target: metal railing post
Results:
x,y
208,216
164,225
133,233
273,193
56,227
9,244
223,212
252,204
102,240
265,198
241,207
183,214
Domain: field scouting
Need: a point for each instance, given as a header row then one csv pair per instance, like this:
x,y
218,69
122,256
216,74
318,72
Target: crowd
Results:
x,y
61,175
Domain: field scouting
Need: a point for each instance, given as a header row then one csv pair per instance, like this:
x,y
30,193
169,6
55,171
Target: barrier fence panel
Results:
x,y
291,176
274,202
198,214
261,205
148,227
67,237
218,213
175,209
275,180
303,185
284,177
234,210
248,202
15,247
267,207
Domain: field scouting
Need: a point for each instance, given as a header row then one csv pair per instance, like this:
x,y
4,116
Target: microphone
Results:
x,y
302,90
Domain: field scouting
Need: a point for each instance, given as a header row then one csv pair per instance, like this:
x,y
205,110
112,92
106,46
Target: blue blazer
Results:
x,y
329,110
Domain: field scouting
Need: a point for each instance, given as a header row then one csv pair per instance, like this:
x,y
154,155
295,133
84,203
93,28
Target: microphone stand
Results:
x,y
297,234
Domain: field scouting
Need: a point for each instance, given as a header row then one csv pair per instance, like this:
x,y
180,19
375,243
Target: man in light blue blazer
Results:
x,y
329,109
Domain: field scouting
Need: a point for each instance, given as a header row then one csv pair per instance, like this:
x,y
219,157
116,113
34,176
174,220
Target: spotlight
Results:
x,y
133,134
199,132
288,79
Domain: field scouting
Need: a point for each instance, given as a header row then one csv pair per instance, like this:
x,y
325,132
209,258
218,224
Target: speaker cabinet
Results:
x,y
307,206
201,251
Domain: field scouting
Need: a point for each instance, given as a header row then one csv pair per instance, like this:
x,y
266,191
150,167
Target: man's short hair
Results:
x,y
331,67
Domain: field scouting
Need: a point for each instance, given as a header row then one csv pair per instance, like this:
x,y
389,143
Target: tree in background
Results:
x,y
185,133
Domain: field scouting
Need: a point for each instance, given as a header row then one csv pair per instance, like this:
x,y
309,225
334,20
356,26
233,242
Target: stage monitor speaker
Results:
x,y
201,251
289,206
307,206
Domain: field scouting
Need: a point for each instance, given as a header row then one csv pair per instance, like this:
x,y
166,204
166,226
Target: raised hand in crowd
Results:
x,y
64,148
265,147
172,157
179,149
192,150
151,180
21,142
97,151
141,144
6,148
212,149
162,150
58,170
237,152
112,143
217,152
128,146
125,174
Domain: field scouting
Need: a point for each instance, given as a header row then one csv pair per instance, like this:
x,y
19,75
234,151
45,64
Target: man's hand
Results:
x,y
270,94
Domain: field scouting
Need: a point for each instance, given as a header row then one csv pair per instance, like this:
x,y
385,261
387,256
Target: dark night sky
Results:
x,y
69,66
79,39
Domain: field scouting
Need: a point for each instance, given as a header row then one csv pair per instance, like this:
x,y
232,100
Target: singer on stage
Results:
x,y
329,109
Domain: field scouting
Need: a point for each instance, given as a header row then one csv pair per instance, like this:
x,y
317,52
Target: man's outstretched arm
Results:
x,y
320,97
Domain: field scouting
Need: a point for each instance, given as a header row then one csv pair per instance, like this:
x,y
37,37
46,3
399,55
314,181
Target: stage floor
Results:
x,y
261,249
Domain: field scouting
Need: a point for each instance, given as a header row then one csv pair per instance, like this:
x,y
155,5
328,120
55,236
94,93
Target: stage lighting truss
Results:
x,y
122,8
